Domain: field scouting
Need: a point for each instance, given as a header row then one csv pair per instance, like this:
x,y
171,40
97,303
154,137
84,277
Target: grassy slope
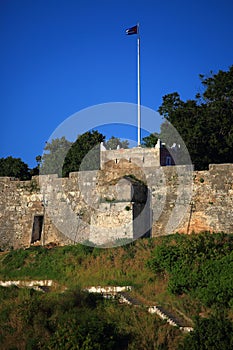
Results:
x,y
79,266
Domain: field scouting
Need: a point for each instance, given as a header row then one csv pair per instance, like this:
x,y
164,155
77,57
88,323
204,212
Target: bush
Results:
x,y
201,265
214,333
72,320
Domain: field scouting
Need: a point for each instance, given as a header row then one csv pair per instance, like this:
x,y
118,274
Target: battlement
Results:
x,y
140,156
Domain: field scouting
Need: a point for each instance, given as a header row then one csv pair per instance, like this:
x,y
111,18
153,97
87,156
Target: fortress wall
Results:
x,y
68,206
141,157
212,205
209,208
70,203
170,190
20,201
111,221
74,203
10,207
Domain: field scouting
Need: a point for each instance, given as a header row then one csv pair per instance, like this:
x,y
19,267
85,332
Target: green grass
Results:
x,y
79,264
77,320
161,270
152,266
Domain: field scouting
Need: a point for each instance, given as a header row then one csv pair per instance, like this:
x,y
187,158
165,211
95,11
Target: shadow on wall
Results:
x,y
141,199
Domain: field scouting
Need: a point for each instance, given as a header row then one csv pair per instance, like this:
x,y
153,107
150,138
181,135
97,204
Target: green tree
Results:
x,y
38,160
14,167
54,156
114,142
206,123
150,141
36,170
84,154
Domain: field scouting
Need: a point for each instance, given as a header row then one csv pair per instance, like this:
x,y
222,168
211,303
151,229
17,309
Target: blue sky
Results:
x,y
59,57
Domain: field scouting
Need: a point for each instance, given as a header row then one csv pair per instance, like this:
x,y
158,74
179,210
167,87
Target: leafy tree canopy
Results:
x,y
150,141
114,142
84,154
53,158
14,167
206,123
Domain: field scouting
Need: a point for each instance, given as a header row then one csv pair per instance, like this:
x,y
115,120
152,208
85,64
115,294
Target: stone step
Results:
x,y
131,300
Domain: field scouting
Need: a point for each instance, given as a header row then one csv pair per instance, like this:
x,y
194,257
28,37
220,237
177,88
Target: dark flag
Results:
x,y
131,31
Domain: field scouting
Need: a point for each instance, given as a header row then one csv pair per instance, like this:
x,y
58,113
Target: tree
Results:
x,y
206,123
38,160
36,170
150,141
84,154
114,142
52,160
14,167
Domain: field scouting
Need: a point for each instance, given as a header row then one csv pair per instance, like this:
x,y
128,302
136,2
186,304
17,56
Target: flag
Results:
x,y
132,30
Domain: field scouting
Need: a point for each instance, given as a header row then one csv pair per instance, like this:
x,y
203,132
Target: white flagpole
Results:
x,y
139,90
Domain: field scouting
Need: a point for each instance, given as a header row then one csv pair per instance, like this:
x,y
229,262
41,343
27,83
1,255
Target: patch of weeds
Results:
x,y
30,186
109,200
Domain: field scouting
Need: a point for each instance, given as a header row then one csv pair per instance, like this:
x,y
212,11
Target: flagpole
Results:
x,y
139,88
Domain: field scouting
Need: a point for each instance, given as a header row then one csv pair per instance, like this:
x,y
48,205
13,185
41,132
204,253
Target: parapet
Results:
x,y
142,157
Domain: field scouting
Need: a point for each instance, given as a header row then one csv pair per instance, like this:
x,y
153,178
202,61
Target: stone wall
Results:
x,y
122,199
204,205
20,201
80,208
212,203
111,222
142,157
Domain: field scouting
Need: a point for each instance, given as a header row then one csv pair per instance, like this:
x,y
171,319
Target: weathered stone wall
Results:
x,y
74,209
142,157
123,198
111,222
210,206
20,201
212,203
